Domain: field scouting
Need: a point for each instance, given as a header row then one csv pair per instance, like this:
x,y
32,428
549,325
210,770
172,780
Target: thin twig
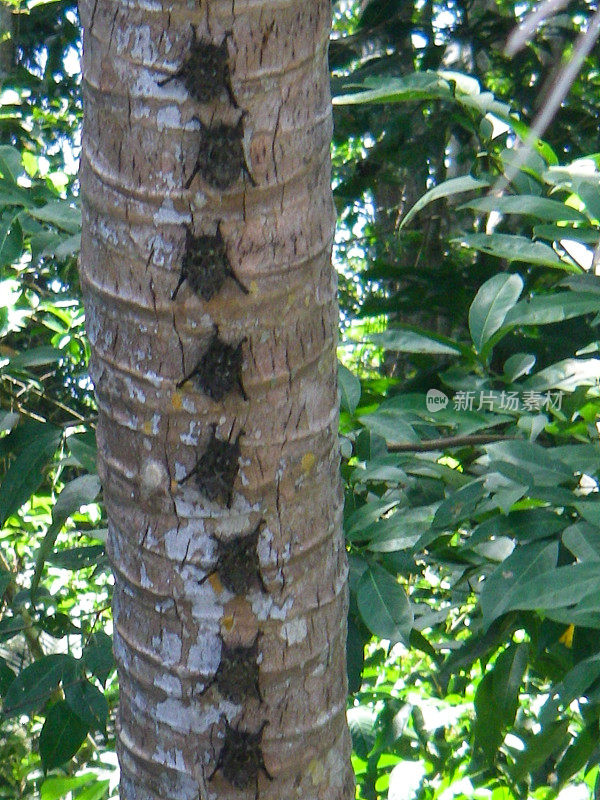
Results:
x,y
448,441
521,35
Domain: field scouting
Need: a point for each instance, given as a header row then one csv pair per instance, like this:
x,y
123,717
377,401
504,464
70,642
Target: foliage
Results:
x,y
469,405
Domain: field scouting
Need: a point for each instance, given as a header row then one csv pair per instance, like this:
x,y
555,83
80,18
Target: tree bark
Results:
x,y
7,44
181,608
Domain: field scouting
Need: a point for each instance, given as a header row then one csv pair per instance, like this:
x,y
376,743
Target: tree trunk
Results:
x,y
230,568
7,44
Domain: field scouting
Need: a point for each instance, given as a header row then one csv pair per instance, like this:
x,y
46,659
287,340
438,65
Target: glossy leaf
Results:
x,y
56,788
25,473
459,505
349,386
35,684
88,702
535,459
78,492
77,557
546,309
405,340
383,605
61,736
518,570
514,249
83,447
555,588
391,425
541,207
491,305
60,214
98,656
465,183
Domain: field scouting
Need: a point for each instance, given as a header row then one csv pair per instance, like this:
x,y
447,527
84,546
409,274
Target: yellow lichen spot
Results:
x,y
215,583
308,462
147,426
316,770
253,288
174,486
567,637
227,622
307,301
176,400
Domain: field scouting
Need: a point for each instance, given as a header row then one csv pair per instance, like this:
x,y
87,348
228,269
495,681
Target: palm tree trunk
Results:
x,y
212,317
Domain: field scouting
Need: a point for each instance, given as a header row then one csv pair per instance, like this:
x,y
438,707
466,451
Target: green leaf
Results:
x,y
487,728
383,605
389,423
36,357
514,248
83,447
5,581
88,703
566,375
586,614
554,233
588,192
58,625
400,531
527,525
491,304
7,676
25,473
58,788
350,390
583,540
508,674
538,748
13,195
555,588
379,469
405,340
518,365
78,492
355,656
496,699
98,656
61,736
34,685
359,520
68,247
10,163
466,183
518,569
416,86
60,214
577,755
96,791
573,686
459,505
11,239
361,721
547,470
77,557
10,626
540,207
549,308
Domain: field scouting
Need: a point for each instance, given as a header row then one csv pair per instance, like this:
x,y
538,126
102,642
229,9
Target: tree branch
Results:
x,y
447,441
